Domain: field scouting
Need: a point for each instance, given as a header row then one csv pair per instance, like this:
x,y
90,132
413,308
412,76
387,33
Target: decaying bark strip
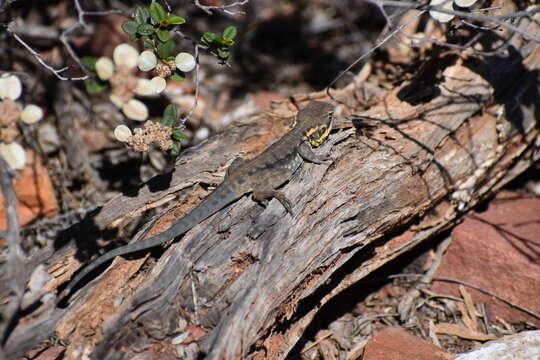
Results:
x,y
247,271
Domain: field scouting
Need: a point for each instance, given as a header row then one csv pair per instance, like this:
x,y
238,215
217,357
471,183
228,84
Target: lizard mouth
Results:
x,y
318,134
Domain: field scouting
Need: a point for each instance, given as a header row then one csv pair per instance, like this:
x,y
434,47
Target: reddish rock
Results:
x,y
52,353
498,250
264,98
397,344
34,192
196,332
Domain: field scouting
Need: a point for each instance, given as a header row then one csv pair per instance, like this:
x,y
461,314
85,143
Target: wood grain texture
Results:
x,y
254,278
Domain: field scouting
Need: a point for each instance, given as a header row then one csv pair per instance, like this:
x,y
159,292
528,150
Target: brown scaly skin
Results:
x,y
260,176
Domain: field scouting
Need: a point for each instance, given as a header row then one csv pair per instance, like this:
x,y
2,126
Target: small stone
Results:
x,y
396,343
522,346
492,249
36,196
31,114
48,138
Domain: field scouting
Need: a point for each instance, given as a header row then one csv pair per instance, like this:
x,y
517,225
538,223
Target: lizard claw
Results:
x,y
328,160
262,198
284,202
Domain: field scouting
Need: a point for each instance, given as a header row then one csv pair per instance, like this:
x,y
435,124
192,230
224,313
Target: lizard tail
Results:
x,y
218,199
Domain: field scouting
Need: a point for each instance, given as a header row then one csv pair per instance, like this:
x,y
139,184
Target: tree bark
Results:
x,y
246,282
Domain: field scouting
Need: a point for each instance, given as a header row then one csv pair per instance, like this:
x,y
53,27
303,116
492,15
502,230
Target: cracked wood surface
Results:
x,y
247,271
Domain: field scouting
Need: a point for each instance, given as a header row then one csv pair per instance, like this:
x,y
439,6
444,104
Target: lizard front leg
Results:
x,y
266,188
263,196
305,151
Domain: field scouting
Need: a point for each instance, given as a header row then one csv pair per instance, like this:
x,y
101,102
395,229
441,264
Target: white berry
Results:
x,y
159,84
14,155
122,133
135,110
31,114
104,68
125,55
185,62
439,16
10,87
147,60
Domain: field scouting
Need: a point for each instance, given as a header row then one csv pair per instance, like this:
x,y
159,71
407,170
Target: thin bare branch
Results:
x,y
224,8
197,86
56,72
497,19
15,257
364,56
81,13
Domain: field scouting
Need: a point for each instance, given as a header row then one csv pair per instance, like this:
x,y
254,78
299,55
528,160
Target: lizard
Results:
x,y
261,176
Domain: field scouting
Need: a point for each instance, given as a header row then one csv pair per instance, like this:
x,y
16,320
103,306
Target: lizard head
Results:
x,y
317,118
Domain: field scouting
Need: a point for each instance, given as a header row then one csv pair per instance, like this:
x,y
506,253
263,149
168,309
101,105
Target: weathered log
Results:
x,y
254,278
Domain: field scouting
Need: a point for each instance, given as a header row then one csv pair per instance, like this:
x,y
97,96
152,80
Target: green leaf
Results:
x,y
133,37
141,15
178,76
229,33
208,38
177,134
163,35
145,29
95,87
148,43
157,13
169,115
177,147
223,53
89,62
130,27
165,49
227,42
176,20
